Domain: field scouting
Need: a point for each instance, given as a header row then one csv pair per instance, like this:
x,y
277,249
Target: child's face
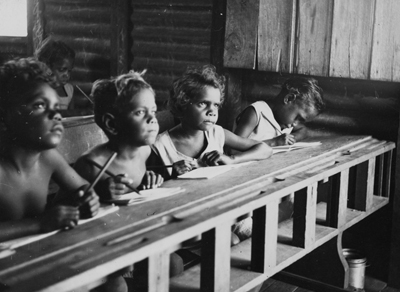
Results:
x,y
292,113
36,122
202,113
138,123
62,69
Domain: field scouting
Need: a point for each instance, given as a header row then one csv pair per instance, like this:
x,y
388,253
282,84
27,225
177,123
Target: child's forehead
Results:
x,y
145,97
209,92
64,62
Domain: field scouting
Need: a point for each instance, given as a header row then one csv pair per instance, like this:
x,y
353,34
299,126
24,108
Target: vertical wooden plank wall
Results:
x,y
275,35
241,34
314,37
352,38
386,41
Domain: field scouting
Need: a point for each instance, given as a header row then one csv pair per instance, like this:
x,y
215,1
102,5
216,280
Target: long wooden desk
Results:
x,y
358,168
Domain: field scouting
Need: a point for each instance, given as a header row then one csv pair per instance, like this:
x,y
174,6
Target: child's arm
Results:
x,y
248,122
73,187
250,150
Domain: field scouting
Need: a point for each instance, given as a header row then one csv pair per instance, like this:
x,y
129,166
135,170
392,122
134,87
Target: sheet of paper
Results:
x,y
210,171
297,145
146,195
14,243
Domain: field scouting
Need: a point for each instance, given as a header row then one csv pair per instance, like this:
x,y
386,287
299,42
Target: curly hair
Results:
x,y
20,77
52,51
190,86
304,90
111,95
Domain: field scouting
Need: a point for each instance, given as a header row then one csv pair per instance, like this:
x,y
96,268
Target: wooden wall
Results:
x,y
168,37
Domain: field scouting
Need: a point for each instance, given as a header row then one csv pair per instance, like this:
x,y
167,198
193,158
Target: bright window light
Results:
x,y
13,17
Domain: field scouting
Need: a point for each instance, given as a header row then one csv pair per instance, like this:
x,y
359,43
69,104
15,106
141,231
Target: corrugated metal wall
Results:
x,y
85,25
169,36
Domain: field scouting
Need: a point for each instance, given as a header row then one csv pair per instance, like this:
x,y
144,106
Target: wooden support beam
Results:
x,y
215,259
159,272
304,218
337,201
264,238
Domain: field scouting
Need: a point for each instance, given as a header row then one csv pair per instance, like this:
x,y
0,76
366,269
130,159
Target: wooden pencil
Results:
x,y
102,171
84,94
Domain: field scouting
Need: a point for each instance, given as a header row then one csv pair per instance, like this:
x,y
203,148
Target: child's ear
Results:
x,y
109,123
289,98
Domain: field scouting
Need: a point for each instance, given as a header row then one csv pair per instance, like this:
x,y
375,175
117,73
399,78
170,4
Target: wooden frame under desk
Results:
x,y
80,258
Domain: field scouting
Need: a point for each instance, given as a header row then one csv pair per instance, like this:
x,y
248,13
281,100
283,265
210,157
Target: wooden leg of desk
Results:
x,y
159,272
325,264
215,259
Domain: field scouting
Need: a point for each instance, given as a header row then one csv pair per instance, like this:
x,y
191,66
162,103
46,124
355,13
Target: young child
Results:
x,y
31,130
125,110
60,58
280,121
197,141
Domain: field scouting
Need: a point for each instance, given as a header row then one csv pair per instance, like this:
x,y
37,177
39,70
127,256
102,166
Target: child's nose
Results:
x,y
55,115
152,119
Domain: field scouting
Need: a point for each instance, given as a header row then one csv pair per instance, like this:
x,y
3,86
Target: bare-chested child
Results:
x,y
31,129
125,109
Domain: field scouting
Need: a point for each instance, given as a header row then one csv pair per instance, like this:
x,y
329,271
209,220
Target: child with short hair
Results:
x,y
125,110
60,58
31,130
280,121
197,141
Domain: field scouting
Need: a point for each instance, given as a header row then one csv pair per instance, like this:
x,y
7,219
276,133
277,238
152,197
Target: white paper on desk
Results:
x,y
14,243
297,145
146,195
210,171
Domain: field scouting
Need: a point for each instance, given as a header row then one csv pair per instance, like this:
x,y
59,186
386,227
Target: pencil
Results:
x,y
102,171
113,175
273,125
84,94
158,166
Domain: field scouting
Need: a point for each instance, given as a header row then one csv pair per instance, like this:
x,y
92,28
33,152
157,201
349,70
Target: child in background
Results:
x,y
280,121
125,110
31,130
197,141
60,58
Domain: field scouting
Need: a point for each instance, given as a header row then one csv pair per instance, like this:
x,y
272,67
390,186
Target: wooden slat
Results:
x,y
380,162
370,183
215,261
275,35
159,272
265,237
343,185
304,218
352,38
385,52
241,33
314,37
388,173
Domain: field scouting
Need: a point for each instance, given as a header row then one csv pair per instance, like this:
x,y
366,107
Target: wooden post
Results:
x,y
337,202
159,272
304,219
265,238
215,259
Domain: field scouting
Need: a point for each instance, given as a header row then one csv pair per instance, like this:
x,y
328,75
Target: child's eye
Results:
x,y
140,113
39,105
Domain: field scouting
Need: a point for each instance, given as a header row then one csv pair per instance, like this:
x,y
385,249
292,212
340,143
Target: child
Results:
x,y
31,130
280,121
197,141
60,58
125,110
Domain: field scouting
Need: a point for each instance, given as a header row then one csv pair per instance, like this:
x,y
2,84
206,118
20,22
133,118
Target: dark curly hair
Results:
x,y
304,90
190,86
111,95
20,77
52,51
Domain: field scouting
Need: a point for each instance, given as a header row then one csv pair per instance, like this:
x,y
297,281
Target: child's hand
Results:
x,y
89,204
214,158
285,139
117,185
151,180
59,217
184,166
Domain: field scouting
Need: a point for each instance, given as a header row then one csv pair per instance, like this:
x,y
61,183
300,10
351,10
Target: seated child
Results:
x,y
125,110
31,130
197,141
280,121
60,58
